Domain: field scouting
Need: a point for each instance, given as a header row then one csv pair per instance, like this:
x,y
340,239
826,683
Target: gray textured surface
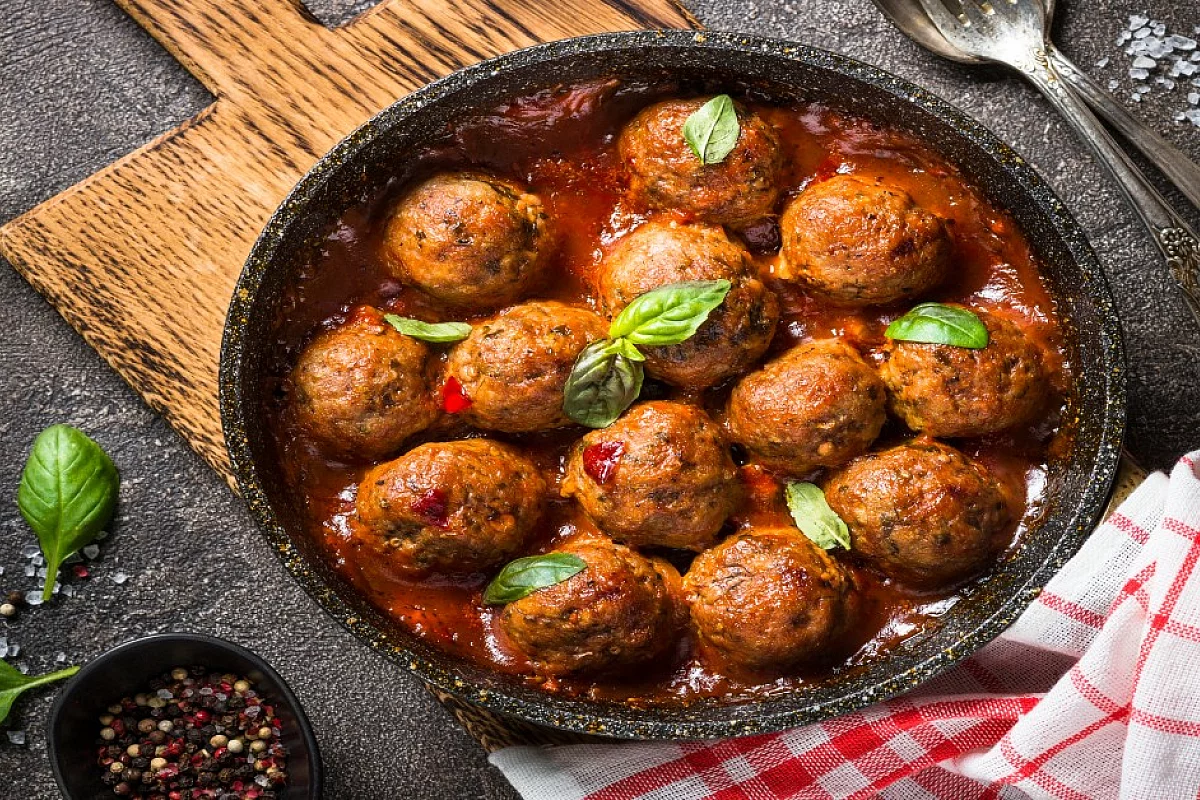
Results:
x,y
81,85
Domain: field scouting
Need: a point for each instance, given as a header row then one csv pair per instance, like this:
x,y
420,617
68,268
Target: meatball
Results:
x,y
735,334
943,390
768,599
468,239
861,243
514,366
362,389
622,610
664,172
661,475
818,405
454,507
922,512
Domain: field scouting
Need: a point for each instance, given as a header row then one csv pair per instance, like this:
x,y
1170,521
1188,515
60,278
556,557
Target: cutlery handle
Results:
x,y
1175,239
1182,171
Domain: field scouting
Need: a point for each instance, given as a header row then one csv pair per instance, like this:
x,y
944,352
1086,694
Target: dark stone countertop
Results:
x,y
83,85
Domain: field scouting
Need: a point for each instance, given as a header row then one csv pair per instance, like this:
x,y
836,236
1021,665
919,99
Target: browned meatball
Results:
x,y
468,239
664,172
860,243
513,367
768,599
944,390
455,507
622,610
362,389
922,512
660,475
817,405
735,334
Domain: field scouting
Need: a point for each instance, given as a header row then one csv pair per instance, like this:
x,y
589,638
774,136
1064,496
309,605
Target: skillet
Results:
x,y
781,72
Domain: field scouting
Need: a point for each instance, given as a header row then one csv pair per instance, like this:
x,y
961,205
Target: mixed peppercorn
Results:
x,y
193,735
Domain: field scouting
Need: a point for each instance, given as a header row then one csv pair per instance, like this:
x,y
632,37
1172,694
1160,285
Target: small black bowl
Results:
x,y
126,669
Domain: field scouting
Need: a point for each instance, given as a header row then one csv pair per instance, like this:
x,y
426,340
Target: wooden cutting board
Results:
x,y
141,258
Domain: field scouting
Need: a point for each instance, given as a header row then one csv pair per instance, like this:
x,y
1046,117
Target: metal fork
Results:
x,y
1012,32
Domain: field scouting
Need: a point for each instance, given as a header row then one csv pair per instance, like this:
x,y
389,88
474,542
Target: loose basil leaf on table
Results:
x,y
13,682
937,323
602,384
525,576
68,493
712,130
669,314
813,516
436,332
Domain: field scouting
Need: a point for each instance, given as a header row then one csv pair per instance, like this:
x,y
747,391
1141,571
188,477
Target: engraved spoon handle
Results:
x,y
1180,169
1175,239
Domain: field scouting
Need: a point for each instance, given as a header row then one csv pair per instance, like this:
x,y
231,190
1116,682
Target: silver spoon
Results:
x,y
1013,32
911,19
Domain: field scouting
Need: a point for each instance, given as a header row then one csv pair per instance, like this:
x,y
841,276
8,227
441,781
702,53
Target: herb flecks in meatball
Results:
x,y
923,512
859,242
513,366
621,611
769,600
666,478
733,337
469,239
665,174
362,389
949,391
450,507
817,405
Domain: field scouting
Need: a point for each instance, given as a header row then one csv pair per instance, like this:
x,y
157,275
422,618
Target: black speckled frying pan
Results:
x,y
786,73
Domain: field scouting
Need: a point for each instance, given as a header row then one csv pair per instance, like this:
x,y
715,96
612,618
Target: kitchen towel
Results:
x,y
1093,693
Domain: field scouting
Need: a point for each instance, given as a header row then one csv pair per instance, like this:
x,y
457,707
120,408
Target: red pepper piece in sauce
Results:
x,y
432,506
454,399
600,460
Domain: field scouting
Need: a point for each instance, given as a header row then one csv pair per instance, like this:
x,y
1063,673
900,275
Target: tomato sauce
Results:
x,y
562,143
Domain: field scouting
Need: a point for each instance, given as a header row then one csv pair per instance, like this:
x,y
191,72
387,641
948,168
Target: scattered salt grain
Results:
x,y
119,577
14,650
68,590
1102,63
1144,63
1114,83
91,551
1136,21
1139,74
60,657
16,737
29,550
34,597
30,569
1181,42
1141,33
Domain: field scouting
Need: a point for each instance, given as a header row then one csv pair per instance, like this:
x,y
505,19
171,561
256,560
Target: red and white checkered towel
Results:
x,y
1093,693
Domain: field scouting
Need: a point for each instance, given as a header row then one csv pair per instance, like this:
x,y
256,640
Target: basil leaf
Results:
x,y
439,332
815,518
68,493
712,130
624,347
13,682
526,575
602,384
669,314
936,323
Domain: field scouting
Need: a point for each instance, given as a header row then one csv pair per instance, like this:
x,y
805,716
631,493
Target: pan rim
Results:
x,y
588,717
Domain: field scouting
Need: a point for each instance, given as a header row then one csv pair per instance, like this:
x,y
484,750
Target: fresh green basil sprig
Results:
x,y
712,130
68,493
436,332
608,374
13,682
815,519
938,323
525,576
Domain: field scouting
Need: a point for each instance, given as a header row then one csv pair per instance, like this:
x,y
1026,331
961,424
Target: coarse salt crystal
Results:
x,y
119,577
1102,63
1194,97
91,551
16,737
3,650
1142,62
1181,42
1138,74
34,597
1141,33
1124,37
68,590
1113,84
30,569
29,550
1193,116
60,657
14,650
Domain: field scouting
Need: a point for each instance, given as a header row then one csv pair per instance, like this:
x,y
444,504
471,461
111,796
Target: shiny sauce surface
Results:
x,y
562,143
